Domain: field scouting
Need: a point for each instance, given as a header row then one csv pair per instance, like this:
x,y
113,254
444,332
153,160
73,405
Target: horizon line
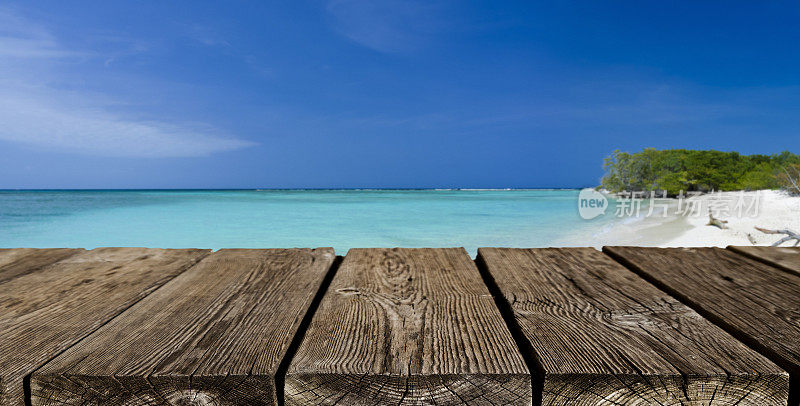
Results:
x,y
276,189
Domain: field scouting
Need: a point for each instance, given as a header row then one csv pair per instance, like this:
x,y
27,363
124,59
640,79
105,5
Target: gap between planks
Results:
x,y
784,258
530,291
283,366
26,381
280,373
39,321
318,281
375,338
529,355
773,350
532,360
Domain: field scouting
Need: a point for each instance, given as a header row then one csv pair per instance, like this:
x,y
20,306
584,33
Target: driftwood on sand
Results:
x,y
712,221
790,235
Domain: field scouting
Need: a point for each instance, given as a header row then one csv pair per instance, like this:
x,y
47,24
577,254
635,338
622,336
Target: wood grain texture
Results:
x,y
16,262
42,313
408,326
602,335
216,334
755,302
786,258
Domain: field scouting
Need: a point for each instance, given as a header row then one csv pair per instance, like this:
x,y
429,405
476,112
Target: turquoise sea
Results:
x,y
290,218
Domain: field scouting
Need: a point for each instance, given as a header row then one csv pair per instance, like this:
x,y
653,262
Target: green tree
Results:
x,y
678,170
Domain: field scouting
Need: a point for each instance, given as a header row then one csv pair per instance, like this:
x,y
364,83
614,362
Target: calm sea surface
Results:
x,y
290,218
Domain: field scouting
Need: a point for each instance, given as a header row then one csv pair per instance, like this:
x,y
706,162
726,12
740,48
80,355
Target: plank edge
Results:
x,y
532,361
302,328
371,385
738,250
612,251
27,379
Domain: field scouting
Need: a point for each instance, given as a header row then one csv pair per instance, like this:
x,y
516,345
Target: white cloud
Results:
x,y
34,121
34,112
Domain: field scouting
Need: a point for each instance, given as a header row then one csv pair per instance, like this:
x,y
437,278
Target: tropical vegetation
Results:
x,y
676,170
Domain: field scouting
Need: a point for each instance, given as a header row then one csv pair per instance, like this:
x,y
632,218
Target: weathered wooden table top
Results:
x,y
556,326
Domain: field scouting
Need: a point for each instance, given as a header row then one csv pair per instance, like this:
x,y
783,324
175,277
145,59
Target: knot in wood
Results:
x,y
192,397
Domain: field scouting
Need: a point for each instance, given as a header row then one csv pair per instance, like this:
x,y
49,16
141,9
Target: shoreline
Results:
x,y
768,209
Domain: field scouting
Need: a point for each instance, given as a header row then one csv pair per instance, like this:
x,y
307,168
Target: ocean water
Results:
x,y
342,219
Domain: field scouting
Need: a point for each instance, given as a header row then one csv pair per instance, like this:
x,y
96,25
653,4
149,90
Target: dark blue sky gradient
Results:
x,y
376,93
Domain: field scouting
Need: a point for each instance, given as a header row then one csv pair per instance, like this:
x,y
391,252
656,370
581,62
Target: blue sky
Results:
x,y
376,93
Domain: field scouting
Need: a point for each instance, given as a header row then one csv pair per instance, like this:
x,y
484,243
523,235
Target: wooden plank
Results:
x,y
9,255
408,326
753,301
16,262
786,258
47,311
216,334
602,335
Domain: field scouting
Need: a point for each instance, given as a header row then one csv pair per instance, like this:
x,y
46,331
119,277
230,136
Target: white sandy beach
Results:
x,y
772,210
777,211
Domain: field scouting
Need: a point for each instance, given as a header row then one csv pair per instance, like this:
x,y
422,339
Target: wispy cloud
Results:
x,y
55,126
20,38
390,26
34,112
11,47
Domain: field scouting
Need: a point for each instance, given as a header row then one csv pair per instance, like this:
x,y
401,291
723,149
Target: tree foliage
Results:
x,y
676,170
789,178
